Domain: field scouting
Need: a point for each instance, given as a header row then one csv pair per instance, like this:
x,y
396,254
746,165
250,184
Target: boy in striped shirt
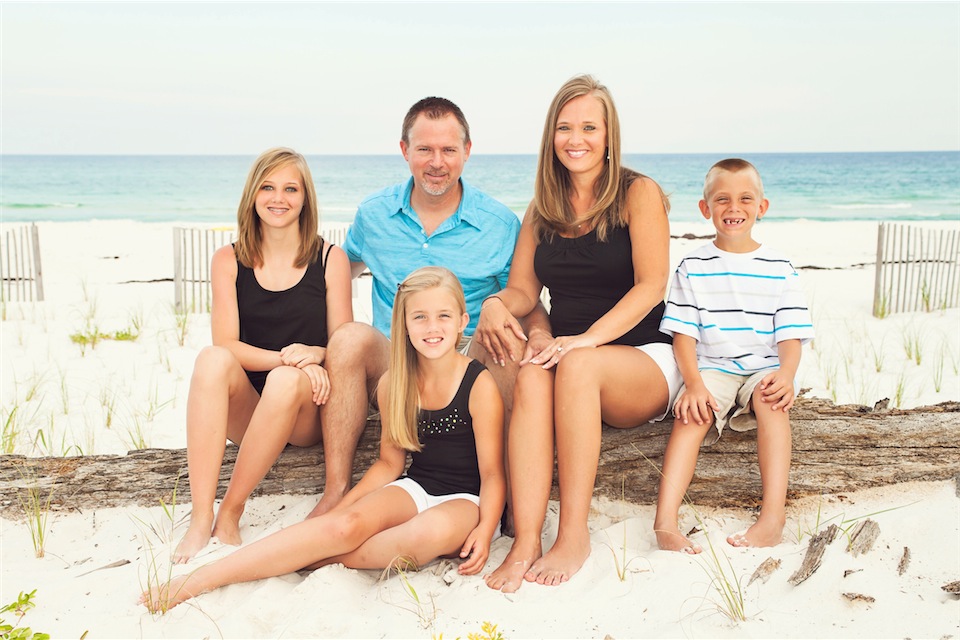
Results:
x,y
738,319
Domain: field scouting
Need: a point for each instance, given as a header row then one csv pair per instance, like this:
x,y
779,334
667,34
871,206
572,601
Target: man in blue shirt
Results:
x,y
434,218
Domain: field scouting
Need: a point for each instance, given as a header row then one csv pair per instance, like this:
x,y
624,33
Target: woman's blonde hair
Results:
x,y
248,244
403,396
552,210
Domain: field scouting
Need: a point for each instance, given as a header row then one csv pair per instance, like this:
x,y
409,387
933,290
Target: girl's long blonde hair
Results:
x,y
403,395
552,210
248,244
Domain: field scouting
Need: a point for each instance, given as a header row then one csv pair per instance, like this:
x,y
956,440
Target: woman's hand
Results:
x,y
554,351
300,355
497,329
319,383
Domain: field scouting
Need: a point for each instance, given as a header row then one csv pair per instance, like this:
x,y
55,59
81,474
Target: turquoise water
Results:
x,y
827,186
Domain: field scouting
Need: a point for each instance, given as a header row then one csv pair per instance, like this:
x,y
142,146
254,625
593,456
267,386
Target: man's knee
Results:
x,y
352,344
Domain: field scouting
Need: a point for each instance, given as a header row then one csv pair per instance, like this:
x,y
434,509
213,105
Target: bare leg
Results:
x,y
293,548
774,444
221,400
592,385
357,356
530,442
285,413
438,531
679,463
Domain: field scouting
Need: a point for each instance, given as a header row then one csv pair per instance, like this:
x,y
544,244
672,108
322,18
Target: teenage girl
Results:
x,y
439,405
279,292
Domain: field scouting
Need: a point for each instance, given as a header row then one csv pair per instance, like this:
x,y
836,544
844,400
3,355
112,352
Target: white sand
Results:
x,y
63,399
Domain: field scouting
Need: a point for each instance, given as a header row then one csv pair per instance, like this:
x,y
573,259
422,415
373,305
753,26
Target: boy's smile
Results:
x,y
734,202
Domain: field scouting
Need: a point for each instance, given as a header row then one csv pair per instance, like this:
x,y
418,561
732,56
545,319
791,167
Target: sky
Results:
x,y
337,78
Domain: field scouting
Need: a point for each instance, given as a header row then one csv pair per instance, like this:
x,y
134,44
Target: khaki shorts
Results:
x,y
734,395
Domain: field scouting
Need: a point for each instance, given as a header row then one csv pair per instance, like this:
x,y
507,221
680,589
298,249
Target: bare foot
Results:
x,y
162,599
562,561
669,538
196,538
509,575
227,527
328,501
763,533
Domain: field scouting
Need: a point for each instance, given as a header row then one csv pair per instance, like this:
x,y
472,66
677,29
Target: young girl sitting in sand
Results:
x,y
441,406
279,291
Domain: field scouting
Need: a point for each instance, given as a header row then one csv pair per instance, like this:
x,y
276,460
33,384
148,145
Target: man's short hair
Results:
x,y
434,108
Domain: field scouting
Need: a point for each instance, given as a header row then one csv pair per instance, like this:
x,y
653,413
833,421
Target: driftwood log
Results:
x,y
835,449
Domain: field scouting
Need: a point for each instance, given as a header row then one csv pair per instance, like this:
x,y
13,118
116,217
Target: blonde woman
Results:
x,y
279,292
596,235
439,405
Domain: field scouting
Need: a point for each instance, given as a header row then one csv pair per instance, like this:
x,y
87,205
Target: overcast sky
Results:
x,y
327,78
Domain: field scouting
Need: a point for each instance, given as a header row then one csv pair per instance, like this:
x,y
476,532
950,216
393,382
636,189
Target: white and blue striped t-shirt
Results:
x,y
738,306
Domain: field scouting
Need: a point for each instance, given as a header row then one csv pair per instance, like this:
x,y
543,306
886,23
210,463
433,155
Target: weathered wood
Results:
x,y
904,561
863,537
764,571
835,449
811,561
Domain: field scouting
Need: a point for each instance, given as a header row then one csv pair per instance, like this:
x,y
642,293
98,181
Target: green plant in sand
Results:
x,y
19,608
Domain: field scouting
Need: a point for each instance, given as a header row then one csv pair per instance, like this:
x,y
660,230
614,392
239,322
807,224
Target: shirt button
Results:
x,y
426,245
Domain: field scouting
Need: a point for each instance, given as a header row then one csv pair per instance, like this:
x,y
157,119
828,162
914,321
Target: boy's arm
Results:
x,y
777,386
696,401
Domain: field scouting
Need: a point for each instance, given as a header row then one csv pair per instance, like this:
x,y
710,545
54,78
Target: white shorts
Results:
x,y
424,500
662,355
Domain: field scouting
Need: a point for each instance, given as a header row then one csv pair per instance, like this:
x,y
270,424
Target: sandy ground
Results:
x,y
108,277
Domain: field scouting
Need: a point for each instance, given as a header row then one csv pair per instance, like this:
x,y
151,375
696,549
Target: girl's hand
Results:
x,y
553,352
300,355
319,383
494,329
475,552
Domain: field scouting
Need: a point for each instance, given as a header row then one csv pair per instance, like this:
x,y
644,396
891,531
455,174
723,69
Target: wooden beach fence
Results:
x,y
193,249
917,269
21,275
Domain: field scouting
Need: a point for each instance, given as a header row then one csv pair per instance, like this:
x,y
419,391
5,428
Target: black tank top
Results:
x,y
587,278
447,461
274,319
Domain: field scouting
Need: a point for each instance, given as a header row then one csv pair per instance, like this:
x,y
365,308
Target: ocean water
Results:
x,y
821,186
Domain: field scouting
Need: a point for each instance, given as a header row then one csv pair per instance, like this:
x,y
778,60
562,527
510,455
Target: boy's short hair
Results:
x,y
732,165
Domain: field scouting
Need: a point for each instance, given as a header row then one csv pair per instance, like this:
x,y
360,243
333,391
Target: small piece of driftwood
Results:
x,y
811,561
763,572
952,587
863,537
859,597
904,561
835,449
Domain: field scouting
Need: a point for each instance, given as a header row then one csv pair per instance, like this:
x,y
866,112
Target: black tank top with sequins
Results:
x,y
447,461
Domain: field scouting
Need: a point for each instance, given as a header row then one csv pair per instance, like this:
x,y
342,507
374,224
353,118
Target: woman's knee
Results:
x,y
214,363
579,369
285,384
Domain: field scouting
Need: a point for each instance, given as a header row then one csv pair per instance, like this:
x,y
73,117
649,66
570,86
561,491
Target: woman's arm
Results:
x,y
339,310
486,410
499,313
225,315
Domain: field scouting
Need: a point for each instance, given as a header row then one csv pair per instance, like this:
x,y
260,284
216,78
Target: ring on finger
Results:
x,y
559,349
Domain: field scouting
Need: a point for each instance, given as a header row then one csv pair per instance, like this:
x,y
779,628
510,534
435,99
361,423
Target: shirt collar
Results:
x,y
466,212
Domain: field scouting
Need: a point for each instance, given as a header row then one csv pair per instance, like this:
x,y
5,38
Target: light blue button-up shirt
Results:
x,y
476,243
